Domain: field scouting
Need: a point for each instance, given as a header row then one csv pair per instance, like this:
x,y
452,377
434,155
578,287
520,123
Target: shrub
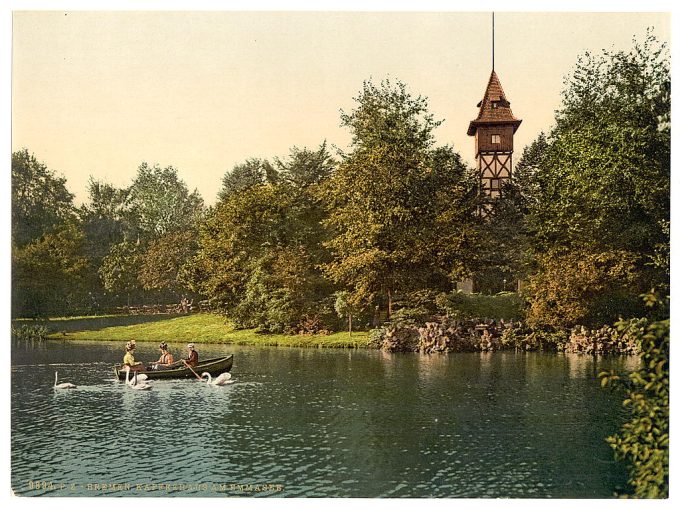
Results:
x,y
463,306
643,441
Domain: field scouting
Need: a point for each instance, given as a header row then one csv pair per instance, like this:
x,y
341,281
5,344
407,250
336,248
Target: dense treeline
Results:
x,y
383,230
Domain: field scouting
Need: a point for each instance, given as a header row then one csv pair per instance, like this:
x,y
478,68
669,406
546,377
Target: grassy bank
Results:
x,y
204,328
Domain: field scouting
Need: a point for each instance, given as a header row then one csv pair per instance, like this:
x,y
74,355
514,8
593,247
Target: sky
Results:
x,y
97,93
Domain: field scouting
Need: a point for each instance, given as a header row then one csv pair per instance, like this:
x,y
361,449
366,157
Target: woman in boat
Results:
x,y
192,359
166,358
129,358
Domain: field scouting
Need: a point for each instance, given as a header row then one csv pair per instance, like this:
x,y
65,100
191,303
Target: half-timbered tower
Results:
x,y
493,129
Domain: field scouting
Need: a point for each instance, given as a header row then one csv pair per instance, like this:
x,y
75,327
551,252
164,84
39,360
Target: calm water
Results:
x,y
308,422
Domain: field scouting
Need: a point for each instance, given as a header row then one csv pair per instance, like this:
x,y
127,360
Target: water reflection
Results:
x,y
320,423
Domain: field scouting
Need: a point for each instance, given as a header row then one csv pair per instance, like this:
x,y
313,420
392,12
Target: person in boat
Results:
x,y
192,359
166,359
129,358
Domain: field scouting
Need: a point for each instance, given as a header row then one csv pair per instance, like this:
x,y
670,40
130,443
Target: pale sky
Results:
x,y
97,93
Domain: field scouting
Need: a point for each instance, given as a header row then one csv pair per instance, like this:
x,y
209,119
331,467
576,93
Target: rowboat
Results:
x,y
213,366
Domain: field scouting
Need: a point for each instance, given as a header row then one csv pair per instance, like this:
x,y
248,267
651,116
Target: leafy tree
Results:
x,y
344,308
400,211
160,264
40,200
48,274
306,168
603,186
119,269
105,218
260,248
244,176
160,202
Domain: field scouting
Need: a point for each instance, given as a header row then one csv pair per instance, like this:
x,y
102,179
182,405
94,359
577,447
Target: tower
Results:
x,y
493,129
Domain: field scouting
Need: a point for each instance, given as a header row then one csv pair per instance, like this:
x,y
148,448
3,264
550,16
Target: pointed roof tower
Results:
x,y
494,108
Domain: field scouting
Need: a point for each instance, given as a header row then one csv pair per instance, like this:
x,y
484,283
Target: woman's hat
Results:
x,y
130,345
190,346
163,346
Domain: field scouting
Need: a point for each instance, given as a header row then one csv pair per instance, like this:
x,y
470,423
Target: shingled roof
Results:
x,y
488,114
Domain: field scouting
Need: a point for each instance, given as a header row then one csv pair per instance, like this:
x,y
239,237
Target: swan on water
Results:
x,y
64,385
135,384
220,380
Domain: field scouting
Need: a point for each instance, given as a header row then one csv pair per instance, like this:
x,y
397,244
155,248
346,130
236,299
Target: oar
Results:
x,y
189,367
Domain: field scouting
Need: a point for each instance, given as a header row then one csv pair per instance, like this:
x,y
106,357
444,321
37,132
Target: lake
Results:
x,y
316,423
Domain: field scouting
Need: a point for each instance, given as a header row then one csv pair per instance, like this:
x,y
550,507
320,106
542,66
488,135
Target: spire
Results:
x,y
494,108
493,39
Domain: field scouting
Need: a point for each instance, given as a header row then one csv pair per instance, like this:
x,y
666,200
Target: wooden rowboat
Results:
x,y
214,367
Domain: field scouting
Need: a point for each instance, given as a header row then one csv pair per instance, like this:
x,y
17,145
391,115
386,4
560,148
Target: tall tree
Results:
x,y
160,202
398,212
243,176
105,218
160,264
119,271
603,189
40,200
48,274
261,247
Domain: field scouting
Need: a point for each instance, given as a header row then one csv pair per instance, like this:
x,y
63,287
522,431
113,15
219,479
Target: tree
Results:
x,y
40,200
160,202
400,212
246,175
260,248
583,288
105,218
119,269
344,308
603,187
160,264
48,274
305,167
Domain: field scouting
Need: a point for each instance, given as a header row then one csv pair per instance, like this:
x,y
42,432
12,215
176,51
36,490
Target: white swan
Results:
x,y
220,380
64,385
134,384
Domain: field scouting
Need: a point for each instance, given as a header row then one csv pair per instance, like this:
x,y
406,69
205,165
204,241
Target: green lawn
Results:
x,y
205,328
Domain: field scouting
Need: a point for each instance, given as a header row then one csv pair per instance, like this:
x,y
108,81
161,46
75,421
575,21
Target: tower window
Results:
x,y
495,138
495,184
494,104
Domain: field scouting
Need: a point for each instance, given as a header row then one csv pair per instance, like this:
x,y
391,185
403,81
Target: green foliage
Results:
x,y
463,306
119,269
105,219
599,207
48,273
503,254
161,263
260,249
40,200
159,202
29,333
253,172
643,441
580,287
605,179
399,211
